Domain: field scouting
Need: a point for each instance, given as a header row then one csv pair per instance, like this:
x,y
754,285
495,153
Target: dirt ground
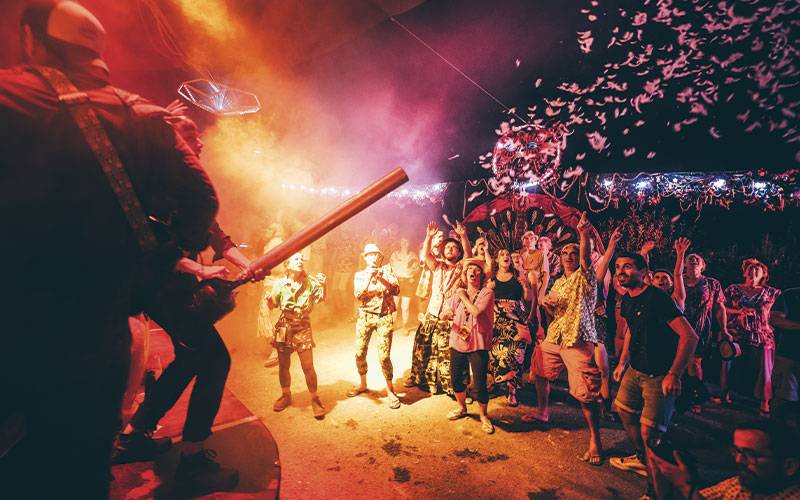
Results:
x,y
364,449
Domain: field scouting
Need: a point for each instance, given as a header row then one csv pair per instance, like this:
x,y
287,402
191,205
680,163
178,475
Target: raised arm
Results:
x,y
602,266
586,253
427,255
679,289
461,231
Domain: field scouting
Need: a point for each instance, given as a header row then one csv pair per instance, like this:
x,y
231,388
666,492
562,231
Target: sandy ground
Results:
x,y
364,449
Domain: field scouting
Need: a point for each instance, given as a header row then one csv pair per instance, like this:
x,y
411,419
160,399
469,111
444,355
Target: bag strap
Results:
x,y
97,137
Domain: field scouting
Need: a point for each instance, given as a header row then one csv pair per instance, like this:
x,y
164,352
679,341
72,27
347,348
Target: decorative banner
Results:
x,y
529,152
505,219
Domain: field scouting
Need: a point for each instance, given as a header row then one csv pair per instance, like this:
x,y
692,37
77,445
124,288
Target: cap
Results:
x,y
371,248
70,22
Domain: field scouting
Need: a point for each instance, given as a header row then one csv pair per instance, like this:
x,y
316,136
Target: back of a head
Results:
x,y
70,33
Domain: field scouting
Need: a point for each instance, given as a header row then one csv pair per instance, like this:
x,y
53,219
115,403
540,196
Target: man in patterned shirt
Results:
x,y
767,454
375,288
571,339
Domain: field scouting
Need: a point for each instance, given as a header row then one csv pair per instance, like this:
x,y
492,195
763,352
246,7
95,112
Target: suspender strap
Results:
x,y
80,107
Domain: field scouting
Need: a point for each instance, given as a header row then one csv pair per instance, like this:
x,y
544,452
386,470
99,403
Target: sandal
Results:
x,y
594,460
487,427
394,401
456,414
355,391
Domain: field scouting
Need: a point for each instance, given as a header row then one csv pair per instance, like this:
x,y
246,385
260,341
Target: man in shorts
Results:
x,y
659,344
570,341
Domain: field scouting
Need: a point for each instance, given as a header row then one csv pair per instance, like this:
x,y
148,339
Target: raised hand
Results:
x,y
176,107
681,245
321,278
460,229
583,224
648,246
615,236
432,229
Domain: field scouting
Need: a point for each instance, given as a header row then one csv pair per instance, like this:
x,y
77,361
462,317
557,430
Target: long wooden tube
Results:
x,y
332,219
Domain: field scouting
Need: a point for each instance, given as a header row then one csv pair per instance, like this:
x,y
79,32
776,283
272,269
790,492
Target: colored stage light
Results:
x,y
218,98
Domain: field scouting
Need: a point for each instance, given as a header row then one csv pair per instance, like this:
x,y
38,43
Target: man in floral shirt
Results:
x,y
571,338
375,288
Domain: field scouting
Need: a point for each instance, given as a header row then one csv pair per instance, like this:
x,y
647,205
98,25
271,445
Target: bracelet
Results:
x,y
670,372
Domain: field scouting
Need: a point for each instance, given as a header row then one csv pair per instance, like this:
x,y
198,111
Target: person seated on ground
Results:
x,y
570,341
471,311
767,454
374,288
785,318
748,305
510,332
295,296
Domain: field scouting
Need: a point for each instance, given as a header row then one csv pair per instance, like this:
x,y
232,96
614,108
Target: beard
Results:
x,y
757,484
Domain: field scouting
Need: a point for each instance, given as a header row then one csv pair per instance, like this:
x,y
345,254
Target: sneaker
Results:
x,y
199,474
317,408
138,447
283,402
632,463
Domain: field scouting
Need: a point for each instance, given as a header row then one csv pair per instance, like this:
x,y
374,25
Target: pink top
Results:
x,y
480,338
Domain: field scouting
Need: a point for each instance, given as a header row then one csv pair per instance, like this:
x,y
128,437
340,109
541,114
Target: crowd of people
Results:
x,y
485,314
491,315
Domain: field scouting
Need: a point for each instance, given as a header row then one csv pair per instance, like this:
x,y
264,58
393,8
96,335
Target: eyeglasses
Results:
x,y
750,455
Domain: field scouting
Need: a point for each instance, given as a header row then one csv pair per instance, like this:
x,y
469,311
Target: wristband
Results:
x,y
670,372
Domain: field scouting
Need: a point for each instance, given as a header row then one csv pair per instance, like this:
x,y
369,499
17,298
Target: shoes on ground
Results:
x,y
632,463
283,402
139,447
317,408
199,474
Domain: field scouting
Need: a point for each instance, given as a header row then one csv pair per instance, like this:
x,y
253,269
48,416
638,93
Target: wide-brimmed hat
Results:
x,y
473,261
371,248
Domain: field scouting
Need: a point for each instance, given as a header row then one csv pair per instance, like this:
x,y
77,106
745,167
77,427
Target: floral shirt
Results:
x,y
752,329
297,300
373,295
732,489
700,300
573,317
